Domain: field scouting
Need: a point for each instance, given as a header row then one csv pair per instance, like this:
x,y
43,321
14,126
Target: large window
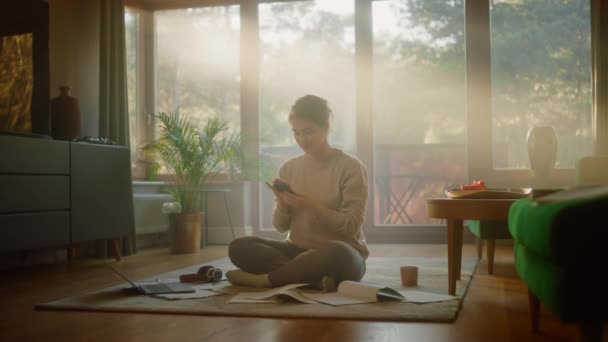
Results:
x,y
197,63
418,105
398,67
541,76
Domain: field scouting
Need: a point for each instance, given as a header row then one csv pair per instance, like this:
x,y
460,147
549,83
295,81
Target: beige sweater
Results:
x,y
340,184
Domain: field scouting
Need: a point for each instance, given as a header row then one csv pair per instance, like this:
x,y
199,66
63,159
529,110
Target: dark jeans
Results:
x,y
286,263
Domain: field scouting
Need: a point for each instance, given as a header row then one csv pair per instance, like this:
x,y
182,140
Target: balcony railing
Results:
x,y
406,175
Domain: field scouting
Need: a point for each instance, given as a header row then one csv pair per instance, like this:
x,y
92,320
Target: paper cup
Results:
x,y
409,275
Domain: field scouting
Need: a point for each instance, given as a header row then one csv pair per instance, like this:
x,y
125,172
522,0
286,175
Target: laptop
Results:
x,y
153,289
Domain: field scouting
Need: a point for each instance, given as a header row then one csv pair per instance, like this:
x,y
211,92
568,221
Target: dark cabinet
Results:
x,y
55,193
102,200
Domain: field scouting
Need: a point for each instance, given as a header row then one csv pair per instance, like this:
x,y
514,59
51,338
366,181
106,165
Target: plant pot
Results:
x,y
185,233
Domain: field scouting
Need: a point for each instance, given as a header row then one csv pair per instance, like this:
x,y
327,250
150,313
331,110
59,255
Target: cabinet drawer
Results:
x,y
30,155
36,230
30,193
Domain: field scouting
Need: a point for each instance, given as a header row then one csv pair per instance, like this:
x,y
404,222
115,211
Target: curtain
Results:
x,y
113,111
599,48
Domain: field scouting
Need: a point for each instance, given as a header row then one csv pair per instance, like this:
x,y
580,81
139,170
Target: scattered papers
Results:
x,y
234,300
269,293
202,290
272,295
420,297
337,299
349,292
352,292
192,295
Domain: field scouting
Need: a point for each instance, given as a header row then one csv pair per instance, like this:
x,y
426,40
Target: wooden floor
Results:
x,y
494,309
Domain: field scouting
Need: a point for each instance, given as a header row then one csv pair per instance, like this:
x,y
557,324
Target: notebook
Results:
x,y
153,289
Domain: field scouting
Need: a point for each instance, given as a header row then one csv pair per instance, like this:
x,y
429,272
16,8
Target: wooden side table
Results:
x,y
455,211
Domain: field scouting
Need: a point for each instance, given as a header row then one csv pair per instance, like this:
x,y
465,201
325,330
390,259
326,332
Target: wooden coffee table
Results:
x,y
455,211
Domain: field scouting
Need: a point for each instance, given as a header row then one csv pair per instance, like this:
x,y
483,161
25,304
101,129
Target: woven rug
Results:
x,y
432,277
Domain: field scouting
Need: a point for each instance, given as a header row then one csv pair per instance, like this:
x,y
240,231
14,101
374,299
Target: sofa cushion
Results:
x,y
566,232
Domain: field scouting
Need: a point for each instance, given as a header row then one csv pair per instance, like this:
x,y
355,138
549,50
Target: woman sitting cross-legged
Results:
x,y
320,199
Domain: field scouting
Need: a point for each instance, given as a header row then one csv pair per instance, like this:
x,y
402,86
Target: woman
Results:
x,y
321,204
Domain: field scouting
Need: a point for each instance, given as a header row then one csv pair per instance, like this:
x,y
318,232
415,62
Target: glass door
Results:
x,y
306,47
418,107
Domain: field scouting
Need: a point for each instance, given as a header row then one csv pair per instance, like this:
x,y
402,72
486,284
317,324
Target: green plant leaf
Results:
x,y
192,155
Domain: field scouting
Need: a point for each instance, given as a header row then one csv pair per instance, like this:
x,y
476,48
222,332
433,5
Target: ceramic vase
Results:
x,y
65,116
542,150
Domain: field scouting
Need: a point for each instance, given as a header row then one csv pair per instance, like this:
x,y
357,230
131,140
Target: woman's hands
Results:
x,y
297,201
288,199
277,187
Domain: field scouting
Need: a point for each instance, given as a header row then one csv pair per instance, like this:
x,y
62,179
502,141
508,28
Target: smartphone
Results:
x,y
280,187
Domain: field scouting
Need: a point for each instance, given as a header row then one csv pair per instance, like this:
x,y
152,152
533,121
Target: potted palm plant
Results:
x,y
191,156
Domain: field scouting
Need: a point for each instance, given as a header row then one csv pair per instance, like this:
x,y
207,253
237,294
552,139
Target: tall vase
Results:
x,y
65,116
542,151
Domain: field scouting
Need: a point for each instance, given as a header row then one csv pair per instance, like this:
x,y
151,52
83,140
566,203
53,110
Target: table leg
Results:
x,y
227,207
491,245
116,248
458,247
454,253
479,243
206,220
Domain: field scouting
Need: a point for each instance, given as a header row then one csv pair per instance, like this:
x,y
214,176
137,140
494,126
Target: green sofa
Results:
x,y
559,254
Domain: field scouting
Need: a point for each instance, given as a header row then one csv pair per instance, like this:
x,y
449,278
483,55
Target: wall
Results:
x,y
74,55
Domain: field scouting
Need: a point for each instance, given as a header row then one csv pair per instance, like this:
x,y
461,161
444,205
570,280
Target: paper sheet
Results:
x,y
353,292
350,292
420,297
234,300
192,295
217,287
271,296
337,299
